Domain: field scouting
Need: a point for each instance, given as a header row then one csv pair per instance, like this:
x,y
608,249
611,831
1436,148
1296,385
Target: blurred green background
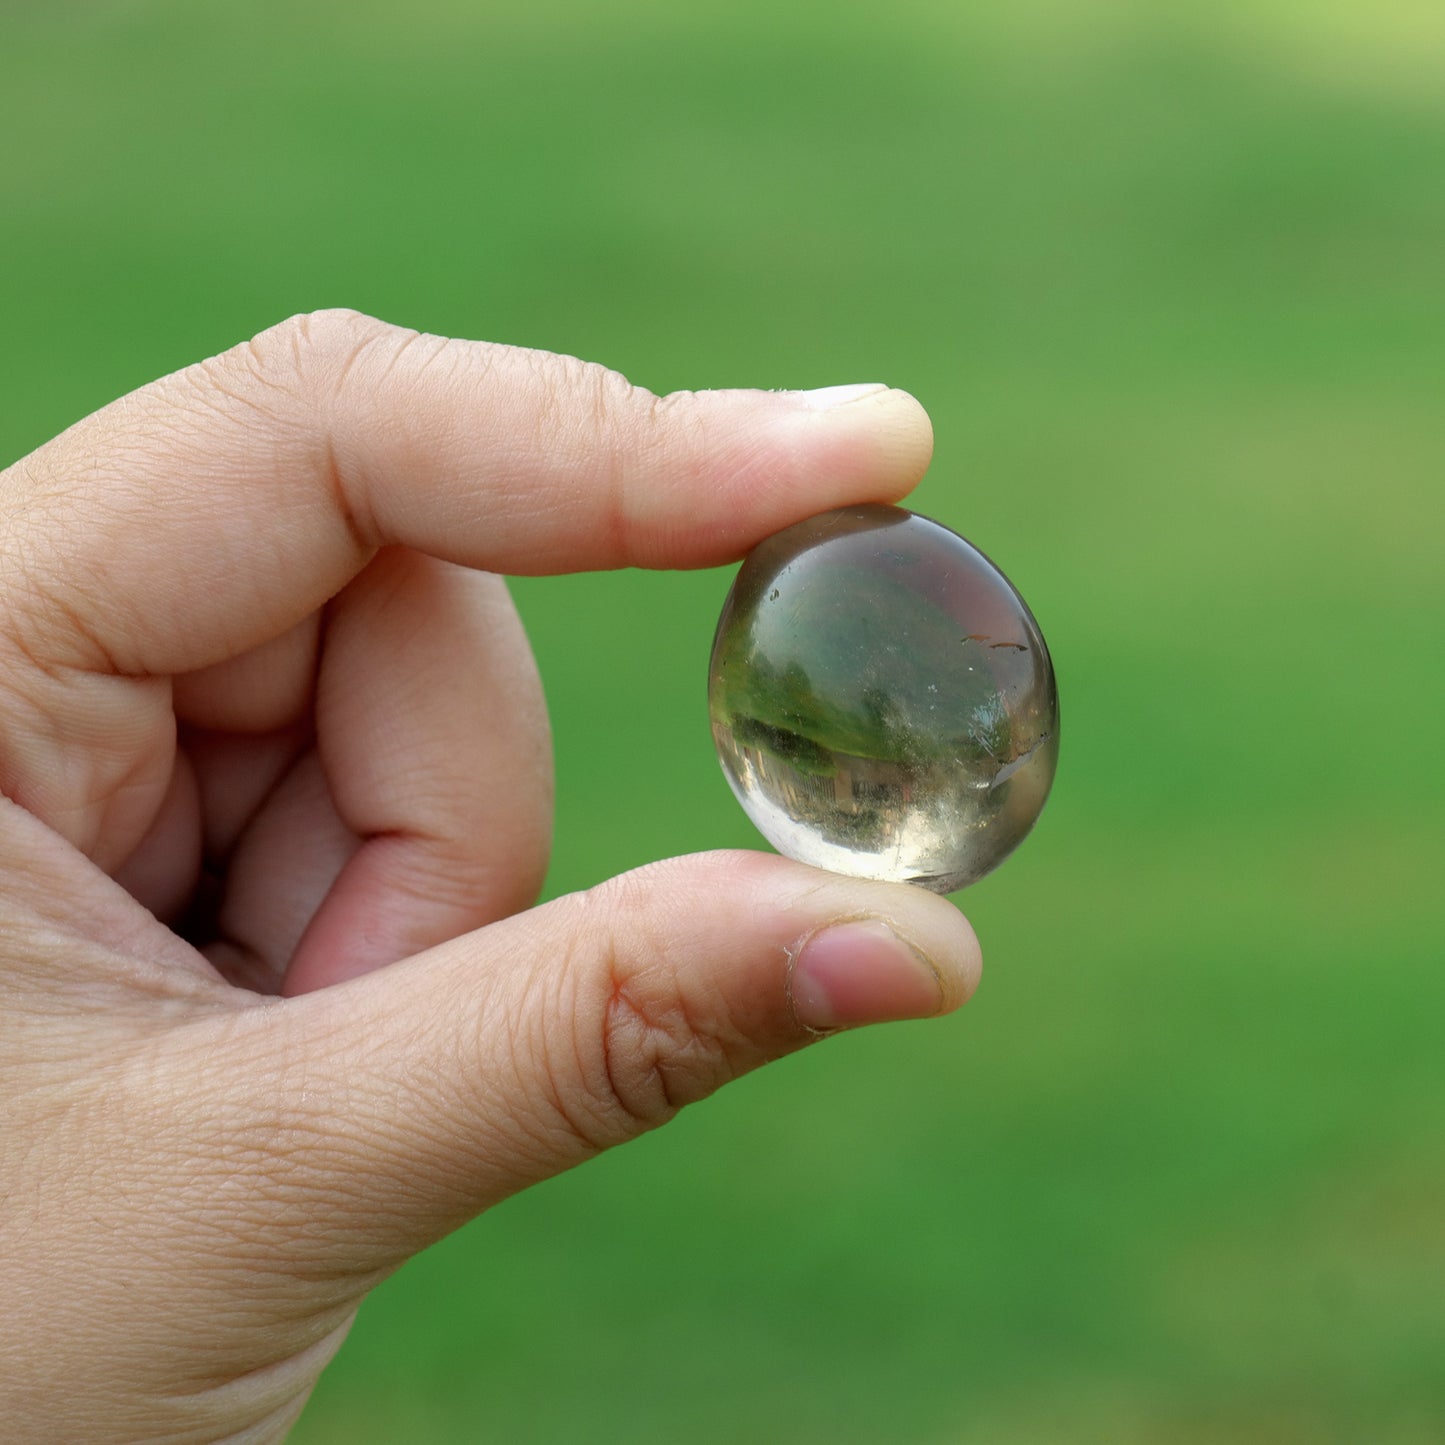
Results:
x,y
1171,280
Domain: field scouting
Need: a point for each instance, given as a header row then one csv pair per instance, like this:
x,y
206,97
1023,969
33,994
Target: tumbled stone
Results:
x,y
882,700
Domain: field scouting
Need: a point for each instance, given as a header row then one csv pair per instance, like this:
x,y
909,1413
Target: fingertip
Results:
x,y
878,440
853,951
861,973
904,431
910,955
746,464
912,430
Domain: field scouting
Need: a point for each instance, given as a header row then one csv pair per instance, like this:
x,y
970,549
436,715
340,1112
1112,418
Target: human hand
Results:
x,y
274,1014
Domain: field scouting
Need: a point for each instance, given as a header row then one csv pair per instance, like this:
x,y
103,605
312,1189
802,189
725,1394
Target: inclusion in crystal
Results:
x,y
882,699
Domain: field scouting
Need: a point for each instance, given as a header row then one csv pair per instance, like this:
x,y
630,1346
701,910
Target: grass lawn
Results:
x,y
1171,281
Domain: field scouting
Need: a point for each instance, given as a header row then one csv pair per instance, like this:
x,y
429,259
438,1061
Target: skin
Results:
x,y
275,1012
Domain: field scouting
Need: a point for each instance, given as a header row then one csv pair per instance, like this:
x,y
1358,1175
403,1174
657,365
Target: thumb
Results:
x,y
511,1054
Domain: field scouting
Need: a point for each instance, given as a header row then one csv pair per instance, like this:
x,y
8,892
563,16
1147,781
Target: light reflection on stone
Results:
x,y
882,700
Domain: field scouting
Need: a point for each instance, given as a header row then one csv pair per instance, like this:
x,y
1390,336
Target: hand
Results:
x,y
269,724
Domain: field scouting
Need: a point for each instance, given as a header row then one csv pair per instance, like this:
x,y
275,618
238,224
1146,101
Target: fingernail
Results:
x,y
831,396
861,973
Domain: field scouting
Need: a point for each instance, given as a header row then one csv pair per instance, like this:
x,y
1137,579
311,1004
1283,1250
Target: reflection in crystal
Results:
x,y
882,700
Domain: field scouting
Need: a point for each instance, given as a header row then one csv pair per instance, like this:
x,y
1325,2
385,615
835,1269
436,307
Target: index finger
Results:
x,y
217,507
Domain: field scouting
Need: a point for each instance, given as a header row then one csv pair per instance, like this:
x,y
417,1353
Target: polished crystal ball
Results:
x,y
882,699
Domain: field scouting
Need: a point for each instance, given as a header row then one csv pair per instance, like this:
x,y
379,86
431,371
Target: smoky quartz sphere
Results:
x,y
882,699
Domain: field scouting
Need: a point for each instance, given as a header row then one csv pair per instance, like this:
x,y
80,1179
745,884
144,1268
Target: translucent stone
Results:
x,y
882,699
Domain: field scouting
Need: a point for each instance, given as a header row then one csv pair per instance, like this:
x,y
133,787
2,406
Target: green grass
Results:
x,y
1170,283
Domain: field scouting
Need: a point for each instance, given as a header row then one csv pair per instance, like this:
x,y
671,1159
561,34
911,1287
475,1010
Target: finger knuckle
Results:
x,y
602,418
646,1045
313,352
582,398
291,369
